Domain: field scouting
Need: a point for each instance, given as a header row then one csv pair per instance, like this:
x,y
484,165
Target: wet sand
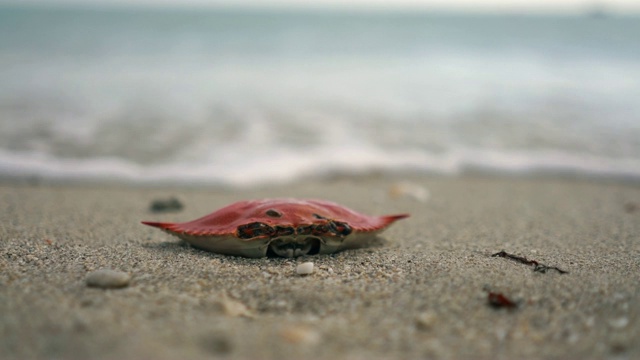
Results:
x,y
421,292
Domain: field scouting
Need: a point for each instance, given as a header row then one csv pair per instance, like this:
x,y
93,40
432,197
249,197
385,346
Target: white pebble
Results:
x,y
106,278
425,321
304,268
619,323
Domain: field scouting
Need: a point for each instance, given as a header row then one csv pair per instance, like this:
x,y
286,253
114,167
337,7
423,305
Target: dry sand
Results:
x,y
420,293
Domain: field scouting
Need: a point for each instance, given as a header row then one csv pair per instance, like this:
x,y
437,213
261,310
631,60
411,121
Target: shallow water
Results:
x,y
250,97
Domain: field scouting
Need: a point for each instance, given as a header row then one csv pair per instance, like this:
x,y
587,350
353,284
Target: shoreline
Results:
x,y
421,292
328,178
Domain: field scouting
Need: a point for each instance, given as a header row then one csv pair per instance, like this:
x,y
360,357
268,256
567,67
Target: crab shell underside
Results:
x,y
282,227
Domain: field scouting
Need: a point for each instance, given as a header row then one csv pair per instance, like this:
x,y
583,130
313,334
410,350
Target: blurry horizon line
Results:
x,y
594,9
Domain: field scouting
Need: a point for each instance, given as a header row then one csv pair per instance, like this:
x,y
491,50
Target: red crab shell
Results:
x,y
284,227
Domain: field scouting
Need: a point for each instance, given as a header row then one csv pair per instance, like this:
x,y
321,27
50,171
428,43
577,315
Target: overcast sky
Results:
x,y
490,5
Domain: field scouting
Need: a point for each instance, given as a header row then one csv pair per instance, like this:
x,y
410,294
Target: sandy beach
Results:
x,y
422,292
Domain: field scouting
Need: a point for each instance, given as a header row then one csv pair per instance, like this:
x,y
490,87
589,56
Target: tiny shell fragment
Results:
x,y
425,321
107,279
300,335
234,308
305,268
409,190
231,307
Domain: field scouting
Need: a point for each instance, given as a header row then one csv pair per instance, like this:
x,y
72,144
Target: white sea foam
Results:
x,y
289,166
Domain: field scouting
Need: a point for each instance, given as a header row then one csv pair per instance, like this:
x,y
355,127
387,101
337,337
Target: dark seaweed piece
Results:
x,y
165,205
537,267
631,207
499,300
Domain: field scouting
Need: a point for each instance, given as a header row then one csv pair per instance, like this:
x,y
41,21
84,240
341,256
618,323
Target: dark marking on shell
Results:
x,y
273,213
342,228
254,229
320,229
304,230
284,231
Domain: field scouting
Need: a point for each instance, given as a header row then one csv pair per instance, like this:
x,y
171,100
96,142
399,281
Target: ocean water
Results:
x,y
246,97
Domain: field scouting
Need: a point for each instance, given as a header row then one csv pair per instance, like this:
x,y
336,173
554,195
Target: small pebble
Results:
x,y
165,205
107,279
218,344
424,321
31,258
619,323
305,268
